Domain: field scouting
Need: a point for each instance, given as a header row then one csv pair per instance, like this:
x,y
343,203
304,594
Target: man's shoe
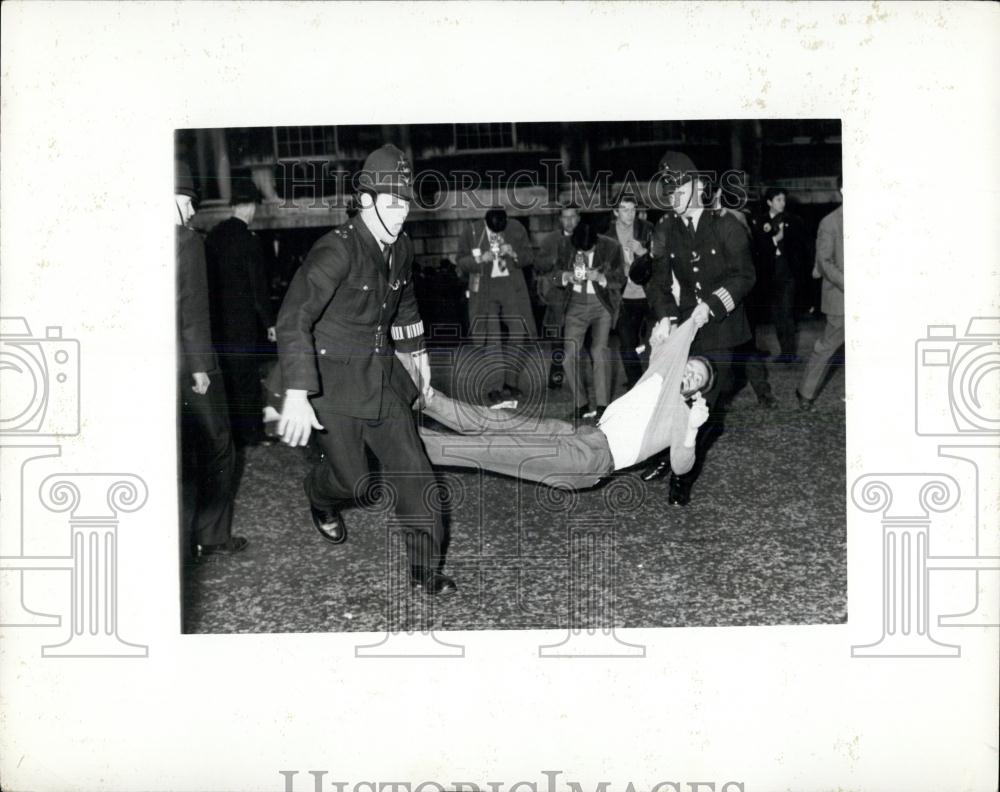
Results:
x,y
656,471
581,414
236,544
805,405
767,400
680,491
329,524
432,583
495,397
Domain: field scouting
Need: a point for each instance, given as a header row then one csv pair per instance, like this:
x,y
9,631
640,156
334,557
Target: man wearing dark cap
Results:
x,y
351,347
493,252
242,315
708,252
592,276
208,461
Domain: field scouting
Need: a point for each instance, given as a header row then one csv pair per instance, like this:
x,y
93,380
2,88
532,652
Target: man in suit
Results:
x,y
779,245
635,237
493,252
350,348
708,253
830,265
591,278
208,460
242,315
551,252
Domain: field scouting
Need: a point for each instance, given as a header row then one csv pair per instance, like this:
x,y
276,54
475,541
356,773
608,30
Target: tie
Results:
x,y
387,255
690,227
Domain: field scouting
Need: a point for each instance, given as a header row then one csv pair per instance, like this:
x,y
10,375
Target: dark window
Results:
x,y
470,137
298,142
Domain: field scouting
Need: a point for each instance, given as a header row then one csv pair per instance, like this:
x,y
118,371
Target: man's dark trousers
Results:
x,y
208,463
337,480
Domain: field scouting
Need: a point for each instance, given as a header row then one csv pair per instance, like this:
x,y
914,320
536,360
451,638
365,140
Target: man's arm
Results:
x,y
193,312
259,282
310,291
659,292
548,253
615,270
466,262
521,243
739,275
408,329
826,259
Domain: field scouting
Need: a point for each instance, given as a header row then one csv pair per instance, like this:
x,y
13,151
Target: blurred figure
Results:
x,y
591,277
779,247
552,251
635,237
207,457
494,252
242,314
830,266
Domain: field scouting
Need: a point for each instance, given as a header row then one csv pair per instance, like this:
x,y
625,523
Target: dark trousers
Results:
x,y
783,312
586,312
241,372
634,322
552,330
501,310
208,463
342,477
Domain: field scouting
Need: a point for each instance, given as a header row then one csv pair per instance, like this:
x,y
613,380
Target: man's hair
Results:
x,y
773,192
584,237
569,206
627,197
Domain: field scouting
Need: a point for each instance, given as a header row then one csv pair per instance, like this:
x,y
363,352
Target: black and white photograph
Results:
x,y
542,368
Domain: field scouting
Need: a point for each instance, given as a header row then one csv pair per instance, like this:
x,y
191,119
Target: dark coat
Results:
x,y
482,287
238,284
715,267
608,261
642,266
194,336
342,319
550,253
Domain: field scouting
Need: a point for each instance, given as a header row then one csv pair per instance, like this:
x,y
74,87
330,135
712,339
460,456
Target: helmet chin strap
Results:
x,y
392,236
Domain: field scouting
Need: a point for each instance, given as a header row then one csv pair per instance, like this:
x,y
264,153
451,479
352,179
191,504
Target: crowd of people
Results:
x,y
684,297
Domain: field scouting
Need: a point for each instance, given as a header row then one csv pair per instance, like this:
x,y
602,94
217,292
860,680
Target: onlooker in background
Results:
x,y
592,277
635,237
493,252
830,265
208,460
551,252
242,313
779,243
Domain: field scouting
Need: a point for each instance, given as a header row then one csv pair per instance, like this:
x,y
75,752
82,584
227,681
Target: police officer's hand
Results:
x,y
297,418
698,413
700,315
272,334
201,382
660,332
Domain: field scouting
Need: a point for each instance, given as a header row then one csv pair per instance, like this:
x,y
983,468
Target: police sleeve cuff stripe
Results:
x,y
401,332
727,300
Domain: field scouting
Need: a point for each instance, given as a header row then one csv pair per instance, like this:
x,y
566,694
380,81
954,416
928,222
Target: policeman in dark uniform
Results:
x,y
708,252
350,346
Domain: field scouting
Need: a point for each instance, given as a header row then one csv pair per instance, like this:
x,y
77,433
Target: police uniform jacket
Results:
x,y
608,261
482,287
343,317
194,336
714,267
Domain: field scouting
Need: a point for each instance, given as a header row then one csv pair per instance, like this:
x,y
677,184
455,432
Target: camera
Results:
x,y
40,381
958,379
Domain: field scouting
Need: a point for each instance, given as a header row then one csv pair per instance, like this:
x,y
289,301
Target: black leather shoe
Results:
x,y
767,400
656,471
329,524
236,544
680,491
432,583
805,405
581,413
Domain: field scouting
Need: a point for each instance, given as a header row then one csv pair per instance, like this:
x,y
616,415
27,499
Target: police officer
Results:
x,y
708,252
208,458
350,347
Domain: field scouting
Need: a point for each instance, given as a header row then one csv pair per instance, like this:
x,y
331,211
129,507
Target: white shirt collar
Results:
x,y
693,216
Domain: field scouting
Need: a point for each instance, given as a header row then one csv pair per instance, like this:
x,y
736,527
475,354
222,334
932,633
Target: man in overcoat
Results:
x,y
493,252
351,353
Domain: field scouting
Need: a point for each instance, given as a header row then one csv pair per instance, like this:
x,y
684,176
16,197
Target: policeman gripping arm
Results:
x,y
739,276
661,283
310,291
408,329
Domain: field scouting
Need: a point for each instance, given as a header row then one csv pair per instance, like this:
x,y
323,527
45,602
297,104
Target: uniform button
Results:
x,y
383,305
671,255
365,287
695,269
697,285
377,349
322,351
713,251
